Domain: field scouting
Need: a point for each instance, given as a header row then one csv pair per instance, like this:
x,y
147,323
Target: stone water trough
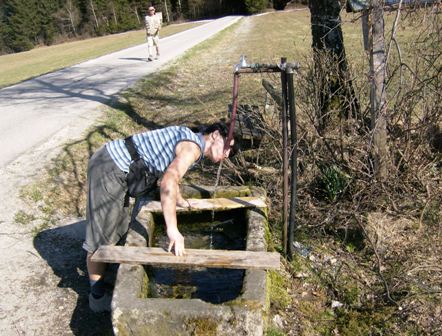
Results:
x,y
158,301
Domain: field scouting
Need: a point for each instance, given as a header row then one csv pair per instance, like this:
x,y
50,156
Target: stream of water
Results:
x,y
218,174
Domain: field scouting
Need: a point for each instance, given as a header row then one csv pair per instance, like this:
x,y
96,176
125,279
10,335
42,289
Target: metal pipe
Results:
x,y
234,108
288,107
284,151
294,159
260,68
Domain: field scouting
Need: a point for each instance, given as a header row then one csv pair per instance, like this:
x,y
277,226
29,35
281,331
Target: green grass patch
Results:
x,y
319,320
279,297
23,218
364,323
21,66
32,193
274,332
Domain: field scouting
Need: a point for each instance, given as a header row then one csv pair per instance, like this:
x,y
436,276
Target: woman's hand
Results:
x,y
183,203
176,240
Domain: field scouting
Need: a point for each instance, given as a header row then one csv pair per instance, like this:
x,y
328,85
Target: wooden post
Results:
x,y
365,29
293,162
377,93
285,166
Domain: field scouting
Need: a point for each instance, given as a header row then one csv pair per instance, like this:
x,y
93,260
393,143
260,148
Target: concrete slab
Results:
x,y
132,314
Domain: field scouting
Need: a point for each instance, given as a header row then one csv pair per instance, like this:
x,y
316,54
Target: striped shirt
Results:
x,y
156,148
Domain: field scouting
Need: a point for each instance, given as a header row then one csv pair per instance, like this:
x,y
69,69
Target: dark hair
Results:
x,y
219,126
223,128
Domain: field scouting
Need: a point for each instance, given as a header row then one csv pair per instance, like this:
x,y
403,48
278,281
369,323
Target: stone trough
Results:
x,y
199,301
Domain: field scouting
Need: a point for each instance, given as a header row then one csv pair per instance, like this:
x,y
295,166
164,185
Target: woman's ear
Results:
x,y
214,135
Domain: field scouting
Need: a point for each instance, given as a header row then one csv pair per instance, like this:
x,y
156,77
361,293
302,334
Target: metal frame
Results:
x,y
288,112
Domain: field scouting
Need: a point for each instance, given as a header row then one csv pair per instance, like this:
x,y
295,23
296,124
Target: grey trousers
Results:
x,y
107,214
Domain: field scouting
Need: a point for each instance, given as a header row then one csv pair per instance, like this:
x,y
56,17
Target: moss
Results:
x,y
202,326
321,319
144,294
278,290
354,322
351,323
266,312
350,293
275,332
222,191
298,263
243,192
268,235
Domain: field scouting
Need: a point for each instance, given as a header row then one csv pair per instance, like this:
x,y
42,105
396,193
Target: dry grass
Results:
x,y
376,248
21,66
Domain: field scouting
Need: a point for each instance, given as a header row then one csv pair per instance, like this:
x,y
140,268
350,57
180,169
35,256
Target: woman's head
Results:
x,y
216,136
219,126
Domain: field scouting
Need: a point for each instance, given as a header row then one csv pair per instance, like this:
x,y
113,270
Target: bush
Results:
x,y
331,183
255,6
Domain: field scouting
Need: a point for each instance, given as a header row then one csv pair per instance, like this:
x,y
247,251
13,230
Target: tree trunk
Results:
x,y
377,93
166,10
179,10
93,13
115,14
135,9
331,71
70,9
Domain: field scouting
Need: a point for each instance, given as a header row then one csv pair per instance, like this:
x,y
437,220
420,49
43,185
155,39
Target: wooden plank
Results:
x,y
273,93
193,257
212,204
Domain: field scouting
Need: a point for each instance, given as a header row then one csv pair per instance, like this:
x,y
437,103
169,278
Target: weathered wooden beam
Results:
x,y
193,257
272,91
212,204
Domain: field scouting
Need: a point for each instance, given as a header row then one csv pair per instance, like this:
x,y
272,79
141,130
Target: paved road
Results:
x,y
42,288
33,111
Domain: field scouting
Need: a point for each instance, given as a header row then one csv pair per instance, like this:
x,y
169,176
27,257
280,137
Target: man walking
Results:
x,y
165,153
153,26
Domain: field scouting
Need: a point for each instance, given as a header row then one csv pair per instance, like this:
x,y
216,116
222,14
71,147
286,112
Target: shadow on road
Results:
x,y
61,247
134,59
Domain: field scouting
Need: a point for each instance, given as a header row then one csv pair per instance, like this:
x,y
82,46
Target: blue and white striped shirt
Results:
x,y
156,148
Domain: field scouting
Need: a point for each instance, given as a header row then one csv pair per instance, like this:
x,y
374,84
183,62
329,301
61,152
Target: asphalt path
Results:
x,y
33,111
42,292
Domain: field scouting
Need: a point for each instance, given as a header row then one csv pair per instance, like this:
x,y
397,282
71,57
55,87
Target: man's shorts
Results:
x,y
153,40
107,214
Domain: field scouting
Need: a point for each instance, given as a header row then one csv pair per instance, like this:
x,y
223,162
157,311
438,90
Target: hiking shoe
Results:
x,y
157,56
150,59
100,305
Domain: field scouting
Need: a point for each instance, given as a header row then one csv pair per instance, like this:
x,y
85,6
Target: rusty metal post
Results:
x,y
294,159
284,151
288,106
234,108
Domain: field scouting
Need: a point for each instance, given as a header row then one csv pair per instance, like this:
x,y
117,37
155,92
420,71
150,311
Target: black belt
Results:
x,y
129,142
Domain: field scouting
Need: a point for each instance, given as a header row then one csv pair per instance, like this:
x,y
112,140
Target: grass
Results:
x,y
196,89
22,66
179,94
23,218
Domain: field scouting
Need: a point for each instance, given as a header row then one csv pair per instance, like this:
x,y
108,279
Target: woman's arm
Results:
x,y
187,153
